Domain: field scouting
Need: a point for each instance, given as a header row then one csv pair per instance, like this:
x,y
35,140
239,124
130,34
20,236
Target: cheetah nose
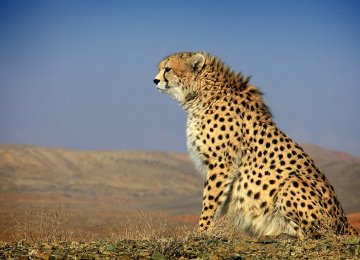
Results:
x,y
156,81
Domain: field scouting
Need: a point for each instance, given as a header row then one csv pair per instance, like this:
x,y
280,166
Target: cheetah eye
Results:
x,y
167,69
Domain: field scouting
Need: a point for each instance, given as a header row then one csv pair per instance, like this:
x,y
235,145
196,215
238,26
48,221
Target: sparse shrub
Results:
x,y
223,229
144,226
42,224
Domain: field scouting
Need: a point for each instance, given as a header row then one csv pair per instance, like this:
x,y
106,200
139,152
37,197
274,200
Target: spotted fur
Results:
x,y
254,174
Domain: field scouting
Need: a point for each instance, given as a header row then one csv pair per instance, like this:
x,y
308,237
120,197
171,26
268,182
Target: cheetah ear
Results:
x,y
197,62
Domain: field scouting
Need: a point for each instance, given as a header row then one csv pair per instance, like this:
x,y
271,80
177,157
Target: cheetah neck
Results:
x,y
215,81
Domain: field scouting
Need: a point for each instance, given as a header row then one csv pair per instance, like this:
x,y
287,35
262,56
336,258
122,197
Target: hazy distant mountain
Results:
x,y
105,184
343,170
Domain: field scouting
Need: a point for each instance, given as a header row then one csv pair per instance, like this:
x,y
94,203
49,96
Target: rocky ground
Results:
x,y
188,247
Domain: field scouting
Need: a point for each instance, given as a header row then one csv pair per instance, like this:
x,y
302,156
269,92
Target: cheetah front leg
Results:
x,y
216,191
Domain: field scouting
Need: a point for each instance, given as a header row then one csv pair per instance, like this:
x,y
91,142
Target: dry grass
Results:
x,y
42,233
146,226
52,225
42,224
224,229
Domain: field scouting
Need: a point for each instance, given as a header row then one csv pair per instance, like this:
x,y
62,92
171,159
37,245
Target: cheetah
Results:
x,y
255,175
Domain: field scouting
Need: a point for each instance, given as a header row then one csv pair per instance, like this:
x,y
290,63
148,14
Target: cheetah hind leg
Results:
x,y
302,215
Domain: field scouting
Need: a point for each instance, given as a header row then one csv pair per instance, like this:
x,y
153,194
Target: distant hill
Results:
x,y
103,187
343,170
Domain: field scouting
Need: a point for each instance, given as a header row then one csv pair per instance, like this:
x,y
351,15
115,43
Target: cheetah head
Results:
x,y
178,73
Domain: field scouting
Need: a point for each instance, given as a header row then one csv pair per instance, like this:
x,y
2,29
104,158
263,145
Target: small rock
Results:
x,y
43,256
267,240
355,250
158,256
284,236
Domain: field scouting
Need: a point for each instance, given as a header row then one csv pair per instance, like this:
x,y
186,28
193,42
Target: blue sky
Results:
x,y
79,74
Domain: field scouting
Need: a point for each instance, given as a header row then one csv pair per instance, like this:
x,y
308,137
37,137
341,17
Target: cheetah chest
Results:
x,y
193,147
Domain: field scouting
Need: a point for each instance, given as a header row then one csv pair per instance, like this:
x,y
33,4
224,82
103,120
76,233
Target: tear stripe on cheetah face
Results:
x,y
253,172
